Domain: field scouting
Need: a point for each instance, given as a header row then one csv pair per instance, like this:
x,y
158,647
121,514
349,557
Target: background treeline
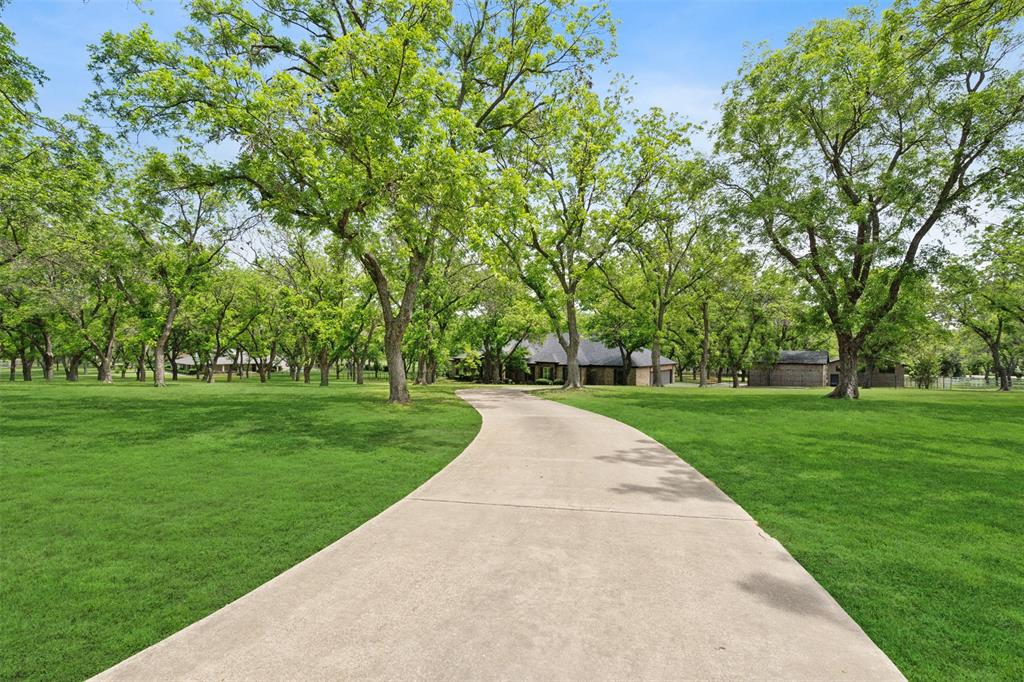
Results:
x,y
399,182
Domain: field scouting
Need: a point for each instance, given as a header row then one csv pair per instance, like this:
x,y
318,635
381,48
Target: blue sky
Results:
x,y
678,52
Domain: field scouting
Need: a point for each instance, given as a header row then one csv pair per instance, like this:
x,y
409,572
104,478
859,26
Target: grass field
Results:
x,y
907,506
128,512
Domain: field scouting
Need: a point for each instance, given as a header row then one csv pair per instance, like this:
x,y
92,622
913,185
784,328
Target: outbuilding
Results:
x,y
815,369
807,368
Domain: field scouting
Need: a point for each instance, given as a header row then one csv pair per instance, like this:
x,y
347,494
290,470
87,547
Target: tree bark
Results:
x,y
105,372
395,325
47,355
398,389
998,368
421,369
432,368
571,346
14,368
705,354
307,370
325,368
140,366
656,362
26,366
847,388
160,349
71,365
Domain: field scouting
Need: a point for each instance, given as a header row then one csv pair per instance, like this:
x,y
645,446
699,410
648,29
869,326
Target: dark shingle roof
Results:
x,y
592,354
803,357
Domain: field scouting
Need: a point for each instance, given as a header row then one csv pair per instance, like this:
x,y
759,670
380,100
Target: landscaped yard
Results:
x,y
128,512
907,506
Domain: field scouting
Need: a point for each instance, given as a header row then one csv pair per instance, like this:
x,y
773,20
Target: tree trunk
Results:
x,y
421,369
307,370
47,356
735,377
432,368
627,363
847,386
14,368
140,366
572,347
998,368
325,368
71,365
159,351
656,362
105,372
210,368
26,367
398,390
705,354
358,370
395,325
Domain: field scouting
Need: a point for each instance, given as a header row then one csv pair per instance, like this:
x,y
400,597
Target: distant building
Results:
x,y
814,369
599,364
809,368
882,377
224,363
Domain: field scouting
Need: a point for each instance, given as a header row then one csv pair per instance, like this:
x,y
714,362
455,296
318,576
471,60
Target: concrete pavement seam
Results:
x,y
578,509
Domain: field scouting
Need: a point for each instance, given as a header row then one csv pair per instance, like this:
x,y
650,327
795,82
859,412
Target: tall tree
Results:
x,y
974,293
571,194
184,229
857,139
364,119
677,242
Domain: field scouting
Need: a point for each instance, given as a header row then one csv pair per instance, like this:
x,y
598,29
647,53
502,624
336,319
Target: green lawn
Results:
x,y
128,512
907,506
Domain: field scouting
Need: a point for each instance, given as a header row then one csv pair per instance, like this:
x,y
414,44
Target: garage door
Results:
x,y
666,376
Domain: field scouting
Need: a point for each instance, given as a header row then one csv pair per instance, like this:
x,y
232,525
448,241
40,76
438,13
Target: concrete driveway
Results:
x,y
561,545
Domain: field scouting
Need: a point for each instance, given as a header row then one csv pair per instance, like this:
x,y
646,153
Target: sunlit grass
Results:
x,y
908,506
128,512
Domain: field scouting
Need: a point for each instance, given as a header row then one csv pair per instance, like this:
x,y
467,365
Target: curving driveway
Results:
x,y
561,545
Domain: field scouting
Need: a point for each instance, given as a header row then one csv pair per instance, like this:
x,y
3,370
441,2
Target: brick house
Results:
x,y
599,364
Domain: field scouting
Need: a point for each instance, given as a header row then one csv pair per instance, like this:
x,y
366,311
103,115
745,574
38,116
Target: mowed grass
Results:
x,y
907,506
128,512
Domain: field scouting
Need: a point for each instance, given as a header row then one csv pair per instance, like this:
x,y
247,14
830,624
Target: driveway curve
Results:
x,y
560,545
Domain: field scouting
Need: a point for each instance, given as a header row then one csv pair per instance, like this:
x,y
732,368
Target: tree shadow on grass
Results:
x,y
305,419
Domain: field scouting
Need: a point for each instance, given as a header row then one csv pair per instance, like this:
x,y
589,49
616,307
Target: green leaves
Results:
x,y
862,135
